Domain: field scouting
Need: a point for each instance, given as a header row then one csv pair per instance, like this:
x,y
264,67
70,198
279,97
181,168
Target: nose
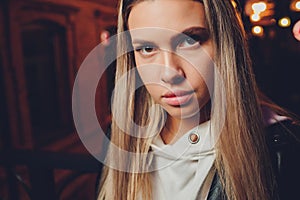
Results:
x,y
172,73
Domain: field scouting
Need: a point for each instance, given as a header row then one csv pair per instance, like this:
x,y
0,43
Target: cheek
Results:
x,y
155,91
150,73
200,65
203,93
201,73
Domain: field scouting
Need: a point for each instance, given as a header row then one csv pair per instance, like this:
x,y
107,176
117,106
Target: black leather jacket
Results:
x,y
283,140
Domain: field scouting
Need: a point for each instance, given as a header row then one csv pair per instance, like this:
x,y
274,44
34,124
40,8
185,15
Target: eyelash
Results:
x,y
142,48
192,40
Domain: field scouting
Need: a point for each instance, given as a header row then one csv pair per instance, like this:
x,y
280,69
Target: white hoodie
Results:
x,y
182,167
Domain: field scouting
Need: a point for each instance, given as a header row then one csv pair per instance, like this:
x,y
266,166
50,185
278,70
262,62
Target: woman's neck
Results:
x,y
175,128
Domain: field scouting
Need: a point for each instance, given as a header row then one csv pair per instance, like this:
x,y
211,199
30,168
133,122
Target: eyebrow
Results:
x,y
140,41
199,31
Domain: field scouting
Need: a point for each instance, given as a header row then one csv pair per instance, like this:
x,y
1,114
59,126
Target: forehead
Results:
x,y
174,15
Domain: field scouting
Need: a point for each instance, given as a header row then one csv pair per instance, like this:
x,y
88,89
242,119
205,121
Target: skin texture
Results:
x,y
176,69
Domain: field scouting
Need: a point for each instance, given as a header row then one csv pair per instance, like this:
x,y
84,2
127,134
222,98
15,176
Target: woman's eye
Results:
x,y
146,50
188,42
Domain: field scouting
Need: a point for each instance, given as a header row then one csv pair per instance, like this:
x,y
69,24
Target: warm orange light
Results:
x,y
295,5
258,30
234,4
284,22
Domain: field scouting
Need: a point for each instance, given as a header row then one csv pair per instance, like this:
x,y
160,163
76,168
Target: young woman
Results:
x,y
187,112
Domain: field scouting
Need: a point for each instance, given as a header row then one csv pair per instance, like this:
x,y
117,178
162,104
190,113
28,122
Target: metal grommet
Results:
x,y
194,138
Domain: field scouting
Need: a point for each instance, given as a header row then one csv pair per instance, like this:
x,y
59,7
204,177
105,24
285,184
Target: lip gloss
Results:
x,y
177,98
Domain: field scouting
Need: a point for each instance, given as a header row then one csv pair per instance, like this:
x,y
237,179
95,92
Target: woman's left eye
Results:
x,y
188,42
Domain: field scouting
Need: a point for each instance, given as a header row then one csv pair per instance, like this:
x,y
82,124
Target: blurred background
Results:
x,y
42,45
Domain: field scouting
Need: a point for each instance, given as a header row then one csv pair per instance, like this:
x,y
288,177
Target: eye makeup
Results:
x,y
191,36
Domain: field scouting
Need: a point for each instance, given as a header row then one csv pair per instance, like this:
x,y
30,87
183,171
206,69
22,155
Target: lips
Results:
x,y
177,97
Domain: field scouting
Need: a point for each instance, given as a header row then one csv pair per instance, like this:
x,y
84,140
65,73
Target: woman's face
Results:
x,y
173,53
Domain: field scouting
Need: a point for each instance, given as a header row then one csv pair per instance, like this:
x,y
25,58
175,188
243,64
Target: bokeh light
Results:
x,y
284,22
255,17
258,31
259,7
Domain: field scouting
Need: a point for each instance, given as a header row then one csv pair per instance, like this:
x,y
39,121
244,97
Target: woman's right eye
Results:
x,y
146,50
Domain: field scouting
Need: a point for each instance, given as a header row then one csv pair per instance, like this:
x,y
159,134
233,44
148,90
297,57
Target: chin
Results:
x,y
183,112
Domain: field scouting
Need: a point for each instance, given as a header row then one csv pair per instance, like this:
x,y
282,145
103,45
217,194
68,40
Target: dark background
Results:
x,y
42,45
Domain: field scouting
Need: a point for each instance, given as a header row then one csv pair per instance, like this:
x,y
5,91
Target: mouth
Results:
x,y
177,97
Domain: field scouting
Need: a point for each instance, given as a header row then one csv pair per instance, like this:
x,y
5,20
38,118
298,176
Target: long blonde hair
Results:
x,y
242,162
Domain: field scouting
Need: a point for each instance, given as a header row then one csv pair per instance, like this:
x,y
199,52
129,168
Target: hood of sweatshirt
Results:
x,y
180,169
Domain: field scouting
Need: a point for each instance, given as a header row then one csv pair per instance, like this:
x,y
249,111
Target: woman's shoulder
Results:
x,y
283,134
283,139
